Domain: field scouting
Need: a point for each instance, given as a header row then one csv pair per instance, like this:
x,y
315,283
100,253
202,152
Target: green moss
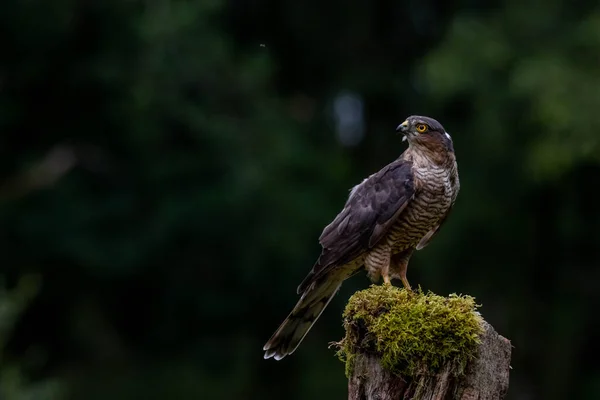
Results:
x,y
413,333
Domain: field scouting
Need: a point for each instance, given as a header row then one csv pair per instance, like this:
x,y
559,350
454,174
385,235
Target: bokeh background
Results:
x,y
166,168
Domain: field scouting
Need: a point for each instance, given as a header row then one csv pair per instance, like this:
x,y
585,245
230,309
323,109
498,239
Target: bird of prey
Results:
x,y
386,218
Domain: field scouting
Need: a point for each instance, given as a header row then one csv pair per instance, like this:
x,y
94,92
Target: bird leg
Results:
x,y
385,269
377,263
381,262
404,280
400,265
386,279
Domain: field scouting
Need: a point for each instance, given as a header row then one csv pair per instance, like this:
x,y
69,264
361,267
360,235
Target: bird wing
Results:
x,y
369,212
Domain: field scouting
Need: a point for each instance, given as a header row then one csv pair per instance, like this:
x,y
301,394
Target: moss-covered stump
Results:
x,y
412,345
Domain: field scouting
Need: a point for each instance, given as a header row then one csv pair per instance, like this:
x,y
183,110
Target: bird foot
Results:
x,y
386,280
406,284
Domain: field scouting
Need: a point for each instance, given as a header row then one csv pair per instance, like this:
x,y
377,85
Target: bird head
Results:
x,y
425,133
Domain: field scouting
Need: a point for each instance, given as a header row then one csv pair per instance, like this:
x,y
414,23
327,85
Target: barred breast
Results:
x,y
429,206
437,191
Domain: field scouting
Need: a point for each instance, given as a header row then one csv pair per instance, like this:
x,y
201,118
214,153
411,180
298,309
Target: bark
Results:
x,y
486,377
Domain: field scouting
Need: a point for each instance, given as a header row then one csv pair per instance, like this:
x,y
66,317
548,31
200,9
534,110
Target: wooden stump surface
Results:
x,y
486,377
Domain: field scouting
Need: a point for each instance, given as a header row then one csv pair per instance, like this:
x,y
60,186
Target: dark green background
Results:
x,y
166,168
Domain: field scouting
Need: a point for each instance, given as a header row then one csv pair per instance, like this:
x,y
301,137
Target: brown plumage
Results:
x,y
386,217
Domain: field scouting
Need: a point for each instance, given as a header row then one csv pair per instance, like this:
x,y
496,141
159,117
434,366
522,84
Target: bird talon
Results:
x,y
387,281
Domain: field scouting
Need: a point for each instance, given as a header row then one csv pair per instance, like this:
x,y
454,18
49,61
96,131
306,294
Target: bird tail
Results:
x,y
292,331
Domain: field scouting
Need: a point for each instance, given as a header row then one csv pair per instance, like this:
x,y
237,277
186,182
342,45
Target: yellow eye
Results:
x,y
421,128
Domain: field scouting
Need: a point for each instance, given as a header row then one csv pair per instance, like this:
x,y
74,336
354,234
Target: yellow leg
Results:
x,y
377,263
405,282
386,280
400,265
385,262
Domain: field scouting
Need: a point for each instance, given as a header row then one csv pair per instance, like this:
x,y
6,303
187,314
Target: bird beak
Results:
x,y
402,127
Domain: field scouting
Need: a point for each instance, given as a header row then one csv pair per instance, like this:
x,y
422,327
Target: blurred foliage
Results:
x,y
14,384
166,168
550,73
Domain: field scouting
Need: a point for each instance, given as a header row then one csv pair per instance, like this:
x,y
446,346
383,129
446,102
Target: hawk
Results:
x,y
386,218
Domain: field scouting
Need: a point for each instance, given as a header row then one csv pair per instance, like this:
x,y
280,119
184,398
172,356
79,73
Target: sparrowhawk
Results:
x,y
386,218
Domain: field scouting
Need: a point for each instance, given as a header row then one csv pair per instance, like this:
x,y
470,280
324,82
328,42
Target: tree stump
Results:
x,y
401,346
486,377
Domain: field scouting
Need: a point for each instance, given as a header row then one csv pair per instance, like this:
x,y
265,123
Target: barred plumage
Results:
x,y
386,217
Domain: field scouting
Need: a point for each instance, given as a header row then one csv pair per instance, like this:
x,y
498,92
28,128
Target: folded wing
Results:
x,y
369,212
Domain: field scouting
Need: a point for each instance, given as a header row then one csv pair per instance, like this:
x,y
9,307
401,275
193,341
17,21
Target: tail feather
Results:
x,y
292,331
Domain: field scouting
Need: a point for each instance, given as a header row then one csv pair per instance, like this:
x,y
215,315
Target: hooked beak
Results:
x,y
402,128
